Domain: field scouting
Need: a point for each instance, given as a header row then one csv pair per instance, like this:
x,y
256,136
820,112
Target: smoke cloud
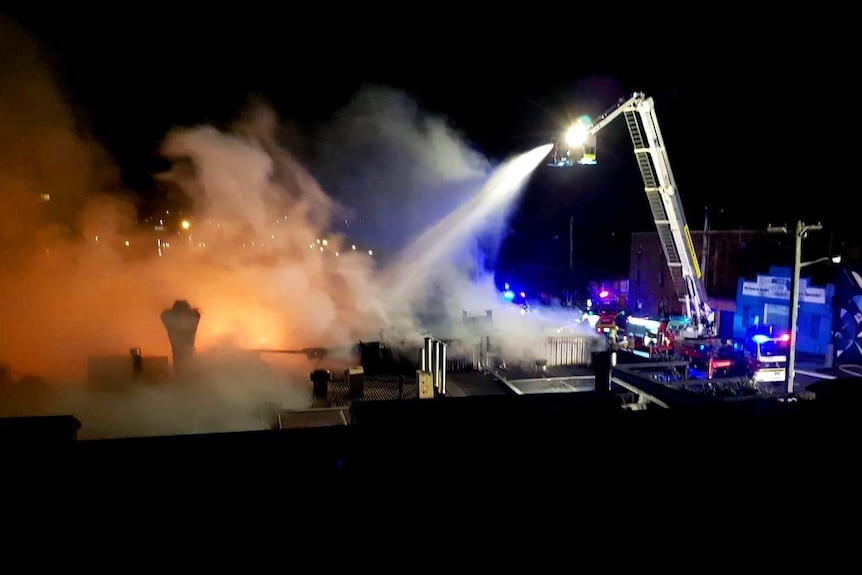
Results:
x,y
84,282
402,175
396,168
271,259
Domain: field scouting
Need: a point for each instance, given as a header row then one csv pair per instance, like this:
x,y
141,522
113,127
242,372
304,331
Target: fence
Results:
x,y
486,353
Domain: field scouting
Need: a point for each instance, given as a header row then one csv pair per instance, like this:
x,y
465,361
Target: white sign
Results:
x,y
779,288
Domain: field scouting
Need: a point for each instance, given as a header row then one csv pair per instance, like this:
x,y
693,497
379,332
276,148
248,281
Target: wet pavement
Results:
x,y
812,368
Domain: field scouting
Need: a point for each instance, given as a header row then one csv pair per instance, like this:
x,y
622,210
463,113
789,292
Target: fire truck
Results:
x,y
765,352
694,335
648,337
761,357
605,314
713,357
664,201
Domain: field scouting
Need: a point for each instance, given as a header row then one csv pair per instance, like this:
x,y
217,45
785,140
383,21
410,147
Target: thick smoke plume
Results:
x,y
81,279
272,261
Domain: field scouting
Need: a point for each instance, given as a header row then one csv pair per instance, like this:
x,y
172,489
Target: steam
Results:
x,y
434,208
265,256
396,168
81,279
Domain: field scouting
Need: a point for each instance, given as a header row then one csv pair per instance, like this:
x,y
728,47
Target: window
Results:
x,y
640,250
777,315
661,279
638,277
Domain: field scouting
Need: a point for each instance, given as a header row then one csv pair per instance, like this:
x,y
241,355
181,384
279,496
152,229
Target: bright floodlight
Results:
x,y
577,134
836,260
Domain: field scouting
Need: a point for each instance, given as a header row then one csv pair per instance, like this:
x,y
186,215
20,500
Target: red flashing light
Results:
x,y
717,364
784,337
604,293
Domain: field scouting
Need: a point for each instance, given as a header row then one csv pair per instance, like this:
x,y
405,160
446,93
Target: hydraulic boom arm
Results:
x,y
666,206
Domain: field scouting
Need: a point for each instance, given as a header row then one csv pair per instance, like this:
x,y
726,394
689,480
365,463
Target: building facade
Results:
x,y
723,255
747,278
766,301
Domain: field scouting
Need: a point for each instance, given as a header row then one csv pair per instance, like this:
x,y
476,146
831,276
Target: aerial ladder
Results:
x,y
662,194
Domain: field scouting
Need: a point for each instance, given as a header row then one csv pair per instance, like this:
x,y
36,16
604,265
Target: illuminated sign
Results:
x,y
779,288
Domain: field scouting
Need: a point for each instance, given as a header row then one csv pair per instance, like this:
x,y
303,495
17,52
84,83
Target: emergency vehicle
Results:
x,y
649,337
663,197
515,300
714,357
606,314
766,355
762,356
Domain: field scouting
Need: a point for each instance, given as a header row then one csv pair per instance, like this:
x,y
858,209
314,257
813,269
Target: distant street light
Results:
x,y
801,232
187,226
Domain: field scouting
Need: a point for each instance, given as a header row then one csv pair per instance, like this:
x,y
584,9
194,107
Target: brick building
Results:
x,y
724,256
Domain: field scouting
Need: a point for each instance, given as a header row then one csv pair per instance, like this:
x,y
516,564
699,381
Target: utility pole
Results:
x,y
801,232
790,371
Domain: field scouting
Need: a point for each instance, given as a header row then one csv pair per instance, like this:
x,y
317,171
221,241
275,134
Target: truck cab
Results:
x,y
606,314
648,337
766,354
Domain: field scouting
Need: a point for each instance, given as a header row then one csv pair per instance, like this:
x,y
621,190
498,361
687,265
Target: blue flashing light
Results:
x,y
509,295
760,338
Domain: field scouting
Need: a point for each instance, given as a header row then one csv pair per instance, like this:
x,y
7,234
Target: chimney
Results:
x,y
137,361
181,321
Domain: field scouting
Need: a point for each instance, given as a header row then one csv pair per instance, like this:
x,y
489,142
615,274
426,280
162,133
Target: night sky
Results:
x,y
751,110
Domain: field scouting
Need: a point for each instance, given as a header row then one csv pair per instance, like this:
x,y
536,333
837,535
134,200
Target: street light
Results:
x,y
187,226
833,259
801,232
830,348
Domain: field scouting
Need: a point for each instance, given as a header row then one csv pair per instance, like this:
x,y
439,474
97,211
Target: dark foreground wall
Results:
x,y
571,471
584,440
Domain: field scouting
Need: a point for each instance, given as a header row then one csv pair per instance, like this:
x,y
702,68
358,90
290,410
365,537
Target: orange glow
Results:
x,y
80,280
